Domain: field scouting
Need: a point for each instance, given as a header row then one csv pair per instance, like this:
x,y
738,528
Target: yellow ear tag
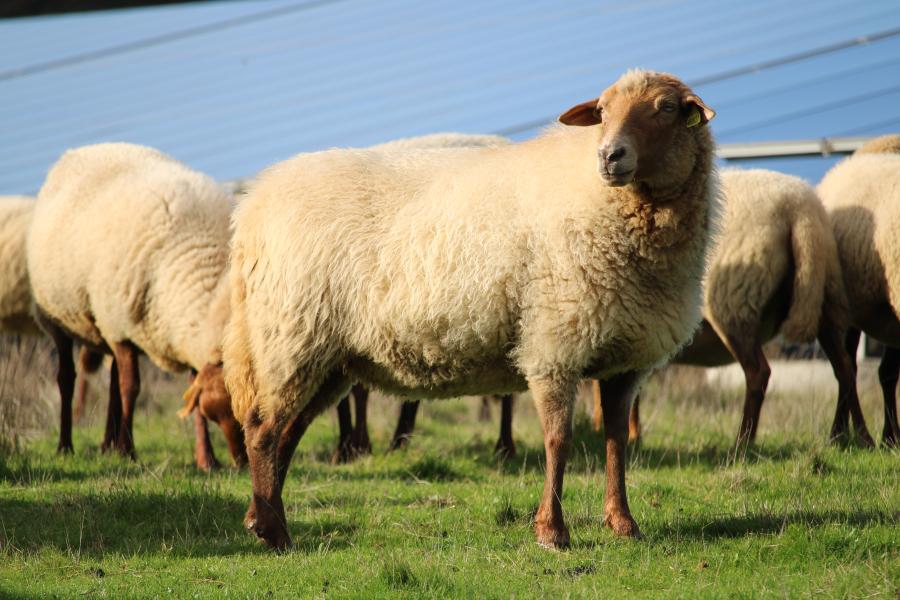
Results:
x,y
694,119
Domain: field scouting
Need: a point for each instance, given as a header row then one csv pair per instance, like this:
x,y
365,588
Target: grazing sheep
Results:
x,y
15,291
862,196
127,250
470,271
774,268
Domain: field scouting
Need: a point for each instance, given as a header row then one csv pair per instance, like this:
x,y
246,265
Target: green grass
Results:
x,y
794,518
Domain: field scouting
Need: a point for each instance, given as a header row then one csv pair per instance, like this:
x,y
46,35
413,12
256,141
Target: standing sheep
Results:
x,y
774,267
862,196
127,251
479,270
15,292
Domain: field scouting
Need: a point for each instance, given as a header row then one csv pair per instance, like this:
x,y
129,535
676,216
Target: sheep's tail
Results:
x,y
240,378
810,274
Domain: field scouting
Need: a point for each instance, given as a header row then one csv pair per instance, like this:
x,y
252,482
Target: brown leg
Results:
x,y
88,362
634,422
835,346
360,443
554,404
598,406
616,394
749,354
270,459
484,414
506,447
345,431
113,411
405,424
203,450
888,372
126,356
215,405
265,517
65,379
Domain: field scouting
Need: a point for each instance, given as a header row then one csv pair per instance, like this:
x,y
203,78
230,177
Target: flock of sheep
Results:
x,y
452,265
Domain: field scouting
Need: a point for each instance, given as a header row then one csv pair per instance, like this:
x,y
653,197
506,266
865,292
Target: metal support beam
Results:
x,y
780,149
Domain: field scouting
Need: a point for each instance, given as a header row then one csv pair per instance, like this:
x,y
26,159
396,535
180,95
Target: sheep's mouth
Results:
x,y
617,179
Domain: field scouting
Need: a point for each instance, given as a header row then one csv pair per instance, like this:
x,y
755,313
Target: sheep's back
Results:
x,y
128,244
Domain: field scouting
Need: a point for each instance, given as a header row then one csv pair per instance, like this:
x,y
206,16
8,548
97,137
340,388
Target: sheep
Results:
x,y
885,144
860,194
126,251
15,292
774,267
471,271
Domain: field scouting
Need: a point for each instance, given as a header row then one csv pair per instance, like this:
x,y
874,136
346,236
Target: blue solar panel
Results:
x,y
231,87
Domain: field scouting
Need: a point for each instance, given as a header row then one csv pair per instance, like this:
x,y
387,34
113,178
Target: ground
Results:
x,y
793,518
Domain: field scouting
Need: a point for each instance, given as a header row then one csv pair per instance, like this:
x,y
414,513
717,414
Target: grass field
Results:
x,y
793,518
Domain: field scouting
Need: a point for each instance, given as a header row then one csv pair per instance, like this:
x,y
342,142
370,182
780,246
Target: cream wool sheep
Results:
x,y
862,196
127,250
885,144
471,271
773,268
15,293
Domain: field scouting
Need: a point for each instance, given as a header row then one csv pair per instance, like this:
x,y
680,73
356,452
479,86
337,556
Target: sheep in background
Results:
x,y
442,273
127,250
15,294
773,268
862,196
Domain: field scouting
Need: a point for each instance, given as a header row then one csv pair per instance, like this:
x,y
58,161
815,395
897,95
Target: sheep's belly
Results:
x,y
439,381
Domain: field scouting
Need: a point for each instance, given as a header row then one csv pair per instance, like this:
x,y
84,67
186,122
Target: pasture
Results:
x,y
793,517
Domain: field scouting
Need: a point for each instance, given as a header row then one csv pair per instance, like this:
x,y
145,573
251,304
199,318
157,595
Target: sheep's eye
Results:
x,y
598,112
667,107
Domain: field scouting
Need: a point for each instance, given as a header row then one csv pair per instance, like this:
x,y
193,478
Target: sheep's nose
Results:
x,y
615,154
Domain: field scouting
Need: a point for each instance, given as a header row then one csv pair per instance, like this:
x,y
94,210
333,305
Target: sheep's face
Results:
x,y
643,121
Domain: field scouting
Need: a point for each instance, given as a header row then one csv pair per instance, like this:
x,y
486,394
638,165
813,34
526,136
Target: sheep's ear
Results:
x,y
191,398
582,115
697,111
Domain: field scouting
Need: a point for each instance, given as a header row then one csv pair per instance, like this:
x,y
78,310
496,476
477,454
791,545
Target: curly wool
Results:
x,y
128,244
15,292
445,272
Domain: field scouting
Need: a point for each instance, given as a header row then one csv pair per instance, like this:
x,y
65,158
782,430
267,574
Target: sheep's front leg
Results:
x,y
265,517
616,394
126,355
203,450
554,401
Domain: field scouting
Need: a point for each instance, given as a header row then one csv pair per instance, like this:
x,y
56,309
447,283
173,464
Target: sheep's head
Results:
x,y
208,392
647,122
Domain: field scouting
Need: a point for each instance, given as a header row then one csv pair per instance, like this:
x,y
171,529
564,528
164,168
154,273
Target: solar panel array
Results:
x,y
230,87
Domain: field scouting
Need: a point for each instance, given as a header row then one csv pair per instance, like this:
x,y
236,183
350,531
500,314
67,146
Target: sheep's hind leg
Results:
x,y
405,424
844,367
203,450
616,394
749,354
353,440
113,411
888,372
554,401
506,447
126,355
65,379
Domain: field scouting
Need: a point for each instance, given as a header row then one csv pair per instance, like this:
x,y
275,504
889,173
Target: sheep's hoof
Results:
x,y
65,449
552,537
622,525
208,464
274,537
865,439
349,452
889,438
399,442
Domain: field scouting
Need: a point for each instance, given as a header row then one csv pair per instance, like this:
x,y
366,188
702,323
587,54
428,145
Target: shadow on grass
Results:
x,y
199,522
723,526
